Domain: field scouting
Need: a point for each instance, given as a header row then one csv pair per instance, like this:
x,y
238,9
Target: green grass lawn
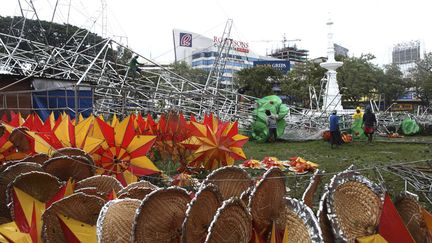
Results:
x,y
382,152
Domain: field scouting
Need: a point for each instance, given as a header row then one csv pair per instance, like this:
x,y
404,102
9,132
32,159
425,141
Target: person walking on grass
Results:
x,y
271,123
335,135
369,122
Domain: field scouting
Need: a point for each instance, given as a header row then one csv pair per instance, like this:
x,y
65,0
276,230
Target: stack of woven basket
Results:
x,y
228,206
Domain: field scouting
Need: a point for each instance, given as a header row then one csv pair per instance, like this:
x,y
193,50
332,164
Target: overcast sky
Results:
x,y
367,26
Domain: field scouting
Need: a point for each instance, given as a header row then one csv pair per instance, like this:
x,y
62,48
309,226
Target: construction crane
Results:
x,y
284,41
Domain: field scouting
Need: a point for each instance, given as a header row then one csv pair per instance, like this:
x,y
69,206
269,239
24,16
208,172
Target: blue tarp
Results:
x,y
58,101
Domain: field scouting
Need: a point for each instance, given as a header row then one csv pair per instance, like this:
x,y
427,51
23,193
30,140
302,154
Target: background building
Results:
x,y
406,54
201,52
293,54
340,50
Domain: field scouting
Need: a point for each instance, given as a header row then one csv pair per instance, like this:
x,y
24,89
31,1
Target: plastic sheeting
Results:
x,y
259,127
58,101
410,127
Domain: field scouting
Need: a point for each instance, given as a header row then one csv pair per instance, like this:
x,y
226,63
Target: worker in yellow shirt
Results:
x,y
358,113
356,127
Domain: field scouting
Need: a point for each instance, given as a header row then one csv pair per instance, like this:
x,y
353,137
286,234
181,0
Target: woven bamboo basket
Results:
x,y
141,183
116,220
160,216
20,139
411,212
266,200
78,206
232,223
91,191
40,185
300,221
37,158
4,220
72,152
245,196
75,167
200,213
354,206
104,184
297,231
231,181
9,175
136,192
8,164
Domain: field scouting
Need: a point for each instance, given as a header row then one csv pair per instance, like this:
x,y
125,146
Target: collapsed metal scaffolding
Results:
x,y
116,90
103,68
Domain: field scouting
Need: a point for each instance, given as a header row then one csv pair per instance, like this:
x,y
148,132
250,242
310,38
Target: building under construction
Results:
x,y
291,53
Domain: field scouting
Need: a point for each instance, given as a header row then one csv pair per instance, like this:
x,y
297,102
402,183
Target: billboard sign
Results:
x,y
408,95
185,39
239,46
280,65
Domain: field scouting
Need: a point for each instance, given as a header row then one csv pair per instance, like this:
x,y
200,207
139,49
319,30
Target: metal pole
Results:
x,y
175,48
76,102
93,62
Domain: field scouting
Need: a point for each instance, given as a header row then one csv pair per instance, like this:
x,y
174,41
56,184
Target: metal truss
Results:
x,y
418,176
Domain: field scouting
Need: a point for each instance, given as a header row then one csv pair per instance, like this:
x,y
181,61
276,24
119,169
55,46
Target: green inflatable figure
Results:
x,y
274,104
410,127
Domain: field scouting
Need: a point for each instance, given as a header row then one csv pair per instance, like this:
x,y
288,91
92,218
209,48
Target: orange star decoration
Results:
x,y
7,149
215,143
171,131
251,163
75,231
123,152
9,232
145,126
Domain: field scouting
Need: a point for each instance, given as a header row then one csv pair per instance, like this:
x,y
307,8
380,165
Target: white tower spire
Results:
x,y
332,98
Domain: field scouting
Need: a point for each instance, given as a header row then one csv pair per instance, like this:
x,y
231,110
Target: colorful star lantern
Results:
x,y
279,237
10,232
28,211
184,180
171,131
251,163
63,134
145,126
215,143
75,231
123,152
7,150
15,120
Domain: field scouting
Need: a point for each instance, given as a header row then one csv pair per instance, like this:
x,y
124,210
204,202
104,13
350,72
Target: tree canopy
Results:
x,y
422,79
296,84
193,74
391,84
357,78
257,81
